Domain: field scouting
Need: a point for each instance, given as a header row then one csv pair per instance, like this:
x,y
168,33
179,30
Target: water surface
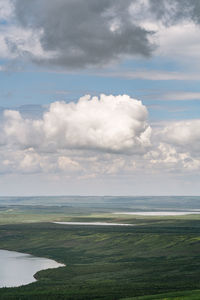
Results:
x,y
159,213
93,223
18,269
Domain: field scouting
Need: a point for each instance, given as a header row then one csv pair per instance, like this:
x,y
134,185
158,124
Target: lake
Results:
x,y
93,223
159,213
18,269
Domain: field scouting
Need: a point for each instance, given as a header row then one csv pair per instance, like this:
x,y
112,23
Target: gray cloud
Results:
x,y
83,33
173,11
90,33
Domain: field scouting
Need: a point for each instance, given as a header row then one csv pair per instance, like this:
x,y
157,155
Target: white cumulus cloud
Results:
x,y
109,123
90,137
97,136
184,134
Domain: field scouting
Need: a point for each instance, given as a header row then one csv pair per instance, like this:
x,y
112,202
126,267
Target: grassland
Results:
x,y
158,256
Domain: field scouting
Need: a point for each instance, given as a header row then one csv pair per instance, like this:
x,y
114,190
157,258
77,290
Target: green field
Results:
x,y
159,256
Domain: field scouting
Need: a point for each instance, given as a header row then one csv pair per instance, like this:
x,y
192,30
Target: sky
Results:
x,y
99,97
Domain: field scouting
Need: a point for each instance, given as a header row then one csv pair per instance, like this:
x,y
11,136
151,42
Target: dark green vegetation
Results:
x,y
109,262
185,295
160,256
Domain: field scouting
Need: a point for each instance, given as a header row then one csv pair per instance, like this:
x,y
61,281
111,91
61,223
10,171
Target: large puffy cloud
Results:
x,y
93,136
109,124
97,136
